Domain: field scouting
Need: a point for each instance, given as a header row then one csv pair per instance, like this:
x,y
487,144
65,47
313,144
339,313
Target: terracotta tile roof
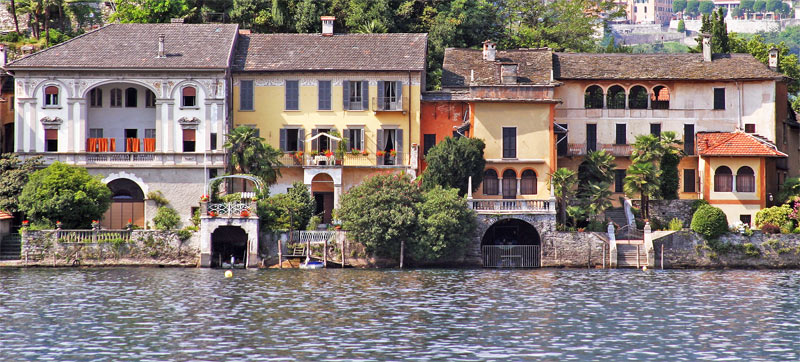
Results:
x,y
288,52
135,46
5,216
735,144
660,66
460,65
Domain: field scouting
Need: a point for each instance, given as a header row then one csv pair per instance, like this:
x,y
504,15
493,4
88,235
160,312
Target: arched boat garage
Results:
x,y
511,243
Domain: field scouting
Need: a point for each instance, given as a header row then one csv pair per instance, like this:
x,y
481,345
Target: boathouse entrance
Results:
x,y
228,242
511,243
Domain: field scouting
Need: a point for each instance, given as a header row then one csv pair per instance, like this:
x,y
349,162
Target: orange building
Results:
x,y
442,118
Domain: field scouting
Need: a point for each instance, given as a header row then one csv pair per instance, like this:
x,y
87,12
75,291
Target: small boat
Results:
x,y
309,264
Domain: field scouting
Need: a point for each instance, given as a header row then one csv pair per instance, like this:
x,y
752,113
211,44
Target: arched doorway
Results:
x,y
228,242
127,203
322,191
511,243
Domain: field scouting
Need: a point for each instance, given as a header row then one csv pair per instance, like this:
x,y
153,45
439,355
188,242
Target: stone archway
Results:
x,y
511,240
228,247
322,190
511,232
127,204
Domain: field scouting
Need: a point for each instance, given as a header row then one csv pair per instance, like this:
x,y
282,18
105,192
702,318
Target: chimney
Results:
x,y
773,59
327,25
706,47
176,20
161,53
489,50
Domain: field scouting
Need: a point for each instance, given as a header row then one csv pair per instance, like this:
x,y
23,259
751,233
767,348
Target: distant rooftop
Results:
x,y
315,52
135,46
464,67
735,144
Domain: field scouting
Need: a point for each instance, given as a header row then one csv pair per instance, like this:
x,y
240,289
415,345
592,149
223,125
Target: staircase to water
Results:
x,y
631,255
10,247
617,215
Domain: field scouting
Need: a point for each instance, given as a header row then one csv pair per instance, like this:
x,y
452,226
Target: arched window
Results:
x,y
593,98
723,179
96,97
745,180
131,96
490,183
638,98
51,96
149,99
527,185
116,97
189,97
660,98
616,97
509,184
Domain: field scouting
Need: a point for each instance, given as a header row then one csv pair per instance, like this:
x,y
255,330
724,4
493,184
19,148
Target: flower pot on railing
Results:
x,y
244,213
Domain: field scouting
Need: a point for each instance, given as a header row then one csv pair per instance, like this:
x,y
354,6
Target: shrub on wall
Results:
x,y
697,204
710,222
768,228
776,215
166,218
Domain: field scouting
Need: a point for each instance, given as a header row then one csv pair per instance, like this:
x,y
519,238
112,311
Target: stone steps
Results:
x,y
10,247
627,255
617,215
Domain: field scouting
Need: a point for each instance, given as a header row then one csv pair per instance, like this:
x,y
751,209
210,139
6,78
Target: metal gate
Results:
x,y
511,256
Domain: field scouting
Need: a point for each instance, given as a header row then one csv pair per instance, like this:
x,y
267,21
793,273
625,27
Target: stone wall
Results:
x,y
735,25
145,247
666,210
574,250
686,249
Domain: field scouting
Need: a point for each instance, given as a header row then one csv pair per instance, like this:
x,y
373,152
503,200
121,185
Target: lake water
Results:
x,y
129,314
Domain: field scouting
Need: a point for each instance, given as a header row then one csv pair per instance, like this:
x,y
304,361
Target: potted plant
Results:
x,y
364,153
328,153
245,213
58,224
95,224
393,152
355,152
314,153
212,214
204,198
380,153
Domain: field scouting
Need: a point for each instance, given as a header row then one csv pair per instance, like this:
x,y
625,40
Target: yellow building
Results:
x,y
340,106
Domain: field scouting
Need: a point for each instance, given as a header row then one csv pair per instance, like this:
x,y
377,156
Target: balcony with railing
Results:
x,y
512,206
672,114
240,209
349,160
580,149
132,159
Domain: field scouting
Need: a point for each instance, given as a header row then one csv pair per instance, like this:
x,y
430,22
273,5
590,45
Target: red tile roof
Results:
x,y
735,144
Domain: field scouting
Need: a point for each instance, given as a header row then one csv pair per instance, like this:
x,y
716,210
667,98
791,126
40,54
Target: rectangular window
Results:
x,y
51,140
389,95
355,139
428,141
95,133
746,219
149,133
688,139
689,180
322,143
591,137
750,128
188,140
51,96
354,95
621,134
96,98
291,140
719,98
619,180
655,129
213,141
563,141
246,95
292,95
149,99
324,95
509,142
131,97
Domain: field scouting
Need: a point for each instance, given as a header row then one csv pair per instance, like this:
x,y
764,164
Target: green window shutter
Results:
x,y
365,95
283,139
381,99
346,94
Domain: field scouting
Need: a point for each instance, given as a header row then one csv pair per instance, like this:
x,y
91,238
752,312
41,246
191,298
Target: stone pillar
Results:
x,y
206,125
32,125
612,246
83,119
69,126
19,142
648,246
159,128
205,241
337,194
170,123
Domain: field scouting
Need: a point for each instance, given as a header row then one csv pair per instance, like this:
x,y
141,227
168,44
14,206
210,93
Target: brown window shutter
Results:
x,y
189,92
51,90
51,134
188,134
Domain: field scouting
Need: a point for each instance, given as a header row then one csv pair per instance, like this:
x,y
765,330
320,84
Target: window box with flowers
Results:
x,y
245,213
298,157
380,153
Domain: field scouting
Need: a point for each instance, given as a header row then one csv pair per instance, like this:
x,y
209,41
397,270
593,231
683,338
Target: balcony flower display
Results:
x,y
328,153
204,198
95,223
355,152
58,224
212,214
245,213
380,153
25,222
314,153
364,153
393,152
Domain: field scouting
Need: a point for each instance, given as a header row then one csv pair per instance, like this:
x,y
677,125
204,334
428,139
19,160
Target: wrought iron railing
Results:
x,y
518,205
229,209
511,256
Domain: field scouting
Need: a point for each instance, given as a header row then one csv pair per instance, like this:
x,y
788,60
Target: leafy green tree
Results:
x,y
381,213
759,6
446,223
786,9
671,156
641,179
597,168
149,11
678,5
64,193
736,12
747,5
681,26
789,189
706,7
13,176
250,155
166,218
563,182
692,7
773,5
719,33
289,211
453,161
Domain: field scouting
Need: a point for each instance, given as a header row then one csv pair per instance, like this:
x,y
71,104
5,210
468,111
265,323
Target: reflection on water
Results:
x,y
198,315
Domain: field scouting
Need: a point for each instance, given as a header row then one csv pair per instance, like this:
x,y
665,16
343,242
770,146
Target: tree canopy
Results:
x,y
250,155
453,161
14,174
64,193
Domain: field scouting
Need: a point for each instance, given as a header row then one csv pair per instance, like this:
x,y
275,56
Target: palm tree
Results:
x,y
249,154
597,199
562,181
671,155
597,167
371,27
646,148
642,178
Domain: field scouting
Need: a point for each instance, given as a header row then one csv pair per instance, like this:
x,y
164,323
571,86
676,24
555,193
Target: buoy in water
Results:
x,y
644,268
228,274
